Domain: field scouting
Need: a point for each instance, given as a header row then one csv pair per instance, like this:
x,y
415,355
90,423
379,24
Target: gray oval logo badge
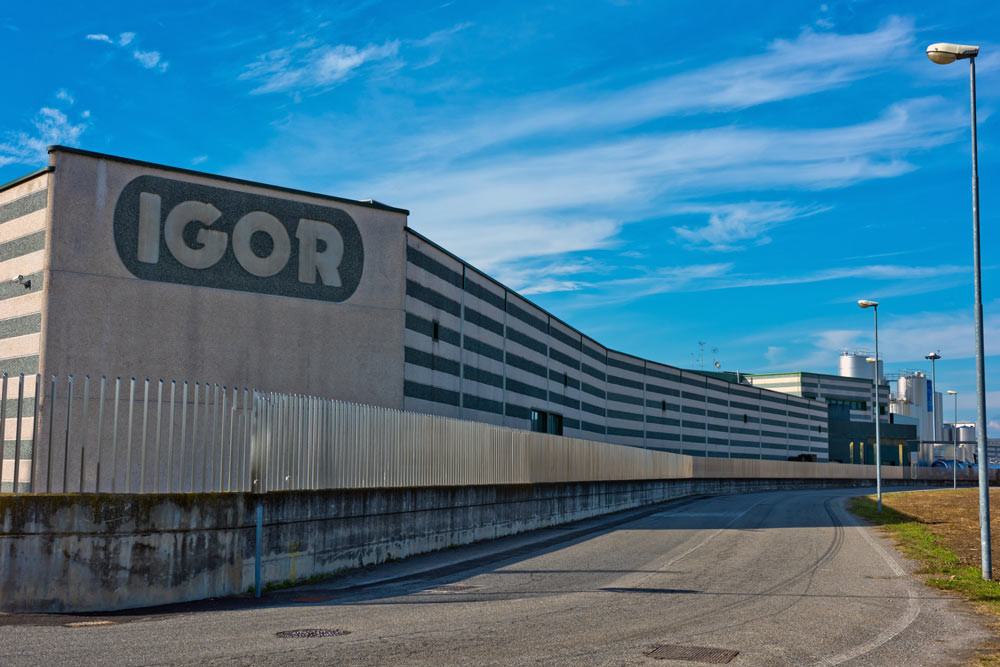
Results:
x,y
176,232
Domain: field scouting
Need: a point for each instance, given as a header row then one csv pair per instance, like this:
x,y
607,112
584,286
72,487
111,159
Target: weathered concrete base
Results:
x,y
74,553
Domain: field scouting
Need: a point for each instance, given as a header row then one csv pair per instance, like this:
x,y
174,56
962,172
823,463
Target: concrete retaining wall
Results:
x,y
62,553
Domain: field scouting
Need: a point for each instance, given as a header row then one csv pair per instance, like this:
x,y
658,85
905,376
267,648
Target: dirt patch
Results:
x,y
952,515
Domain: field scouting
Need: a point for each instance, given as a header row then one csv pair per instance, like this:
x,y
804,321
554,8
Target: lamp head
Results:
x,y
871,360
864,303
952,393
933,356
944,53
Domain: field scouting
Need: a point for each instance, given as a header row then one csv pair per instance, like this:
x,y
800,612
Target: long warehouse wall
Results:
x,y
476,350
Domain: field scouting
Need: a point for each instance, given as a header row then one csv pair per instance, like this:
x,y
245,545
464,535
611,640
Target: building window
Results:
x,y
663,406
546,422
437,330
744,418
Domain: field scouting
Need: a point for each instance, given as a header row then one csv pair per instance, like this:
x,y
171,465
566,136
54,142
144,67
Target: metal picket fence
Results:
x,y
126,435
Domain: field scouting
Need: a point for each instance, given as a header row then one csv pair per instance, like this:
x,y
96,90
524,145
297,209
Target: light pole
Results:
x,y
954,440
944,54
878,440
934,356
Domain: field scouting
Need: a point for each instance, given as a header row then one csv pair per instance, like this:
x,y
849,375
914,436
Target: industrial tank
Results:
x,y
966,433
855,365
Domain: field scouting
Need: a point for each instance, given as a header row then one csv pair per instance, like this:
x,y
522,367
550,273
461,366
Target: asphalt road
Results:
x,y
782,578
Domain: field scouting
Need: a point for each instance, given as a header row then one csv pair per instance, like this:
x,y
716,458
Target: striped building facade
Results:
x,y
476,350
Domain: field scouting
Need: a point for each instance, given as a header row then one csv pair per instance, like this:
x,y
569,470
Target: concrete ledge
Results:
x,y
75,553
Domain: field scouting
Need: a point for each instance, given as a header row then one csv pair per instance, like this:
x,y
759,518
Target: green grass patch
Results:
x,y
941,564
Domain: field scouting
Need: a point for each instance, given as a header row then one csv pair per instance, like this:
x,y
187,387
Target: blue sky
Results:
x,y
654,173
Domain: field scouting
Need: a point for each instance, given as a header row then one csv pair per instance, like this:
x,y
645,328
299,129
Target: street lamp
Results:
x,y
954,440
934,356
878,440
943,54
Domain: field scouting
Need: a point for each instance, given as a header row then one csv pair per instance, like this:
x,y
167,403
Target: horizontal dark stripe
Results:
x,y
718,401
624,365
515,336
593,372
593,428
691,396
718,415
716,427
564,379
474,374
16,365
570,423
744,431
692,411
666,391
663,421
772,411
601,357
517,411
622,398
30,285
745,406
653,373
432,298
485,349
433,267
564,359
625,432
427,393
700,382
526,389
718,441
431,361
772,422
592,409
592,390
482,293
656,435
22,245
10,445
744,393
526,365
621,414
689,424
21,326
526,317
482,404
564,400
631,384
572,343
717,455
473,316
426,327
22,206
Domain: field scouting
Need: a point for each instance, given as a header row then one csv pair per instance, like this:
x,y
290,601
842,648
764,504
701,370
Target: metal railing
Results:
x,y
115,435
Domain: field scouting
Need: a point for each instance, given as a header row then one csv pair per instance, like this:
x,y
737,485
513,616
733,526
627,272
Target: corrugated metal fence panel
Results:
x,y
150,436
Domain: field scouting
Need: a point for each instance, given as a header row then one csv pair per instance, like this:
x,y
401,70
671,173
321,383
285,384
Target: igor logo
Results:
x,y
178,232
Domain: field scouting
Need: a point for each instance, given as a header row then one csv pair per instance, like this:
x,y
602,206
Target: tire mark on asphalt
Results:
x,y
912,609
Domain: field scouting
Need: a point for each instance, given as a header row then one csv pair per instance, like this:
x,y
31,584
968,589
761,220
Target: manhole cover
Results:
x,y
715,656
308,634
450,588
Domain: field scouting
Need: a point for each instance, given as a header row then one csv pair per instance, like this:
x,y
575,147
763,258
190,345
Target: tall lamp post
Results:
x,y
934,356
878,439
944,54
954,441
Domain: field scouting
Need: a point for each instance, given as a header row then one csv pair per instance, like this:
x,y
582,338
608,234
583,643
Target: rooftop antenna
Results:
x,y
701,354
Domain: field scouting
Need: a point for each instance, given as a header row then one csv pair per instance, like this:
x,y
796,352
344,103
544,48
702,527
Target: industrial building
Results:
x,y
126,267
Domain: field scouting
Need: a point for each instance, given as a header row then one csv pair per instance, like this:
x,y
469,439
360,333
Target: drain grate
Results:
x,y
450,588
309,634
715,656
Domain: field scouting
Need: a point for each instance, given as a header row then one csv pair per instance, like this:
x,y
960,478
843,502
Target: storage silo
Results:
x,y
855,365
966,433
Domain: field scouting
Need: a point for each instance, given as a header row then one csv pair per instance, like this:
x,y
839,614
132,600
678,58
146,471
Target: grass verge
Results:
x,y
942,566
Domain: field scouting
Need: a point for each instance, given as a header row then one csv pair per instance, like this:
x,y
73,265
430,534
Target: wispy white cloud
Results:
x,y
198,160
51,126
442,35
812,62
732,226
308,65
65,96
148,59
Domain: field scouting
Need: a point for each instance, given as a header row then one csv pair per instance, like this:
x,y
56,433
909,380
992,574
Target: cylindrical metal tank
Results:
x,y
966,433
855,365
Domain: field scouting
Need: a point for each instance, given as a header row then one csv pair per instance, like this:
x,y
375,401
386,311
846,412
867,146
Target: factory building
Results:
x,y
129,268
